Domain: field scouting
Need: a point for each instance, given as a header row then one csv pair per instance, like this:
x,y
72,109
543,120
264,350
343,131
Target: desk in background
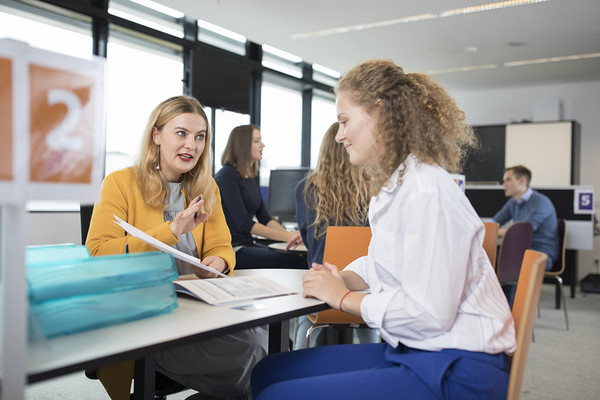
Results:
x,y
193,320
488,199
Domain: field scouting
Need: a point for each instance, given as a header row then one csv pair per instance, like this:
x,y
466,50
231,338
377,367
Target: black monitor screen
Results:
x,y
281,202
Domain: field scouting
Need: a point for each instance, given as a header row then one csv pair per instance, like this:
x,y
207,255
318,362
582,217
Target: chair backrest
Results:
x,y
343,244
280,196
524,311
490,241
559,264
85,216
516,240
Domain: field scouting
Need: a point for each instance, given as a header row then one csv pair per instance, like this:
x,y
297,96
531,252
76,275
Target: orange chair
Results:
x,y
524,308
490,241
343,245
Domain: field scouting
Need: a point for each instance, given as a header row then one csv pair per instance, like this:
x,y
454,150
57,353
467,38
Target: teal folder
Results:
x,y
69,291
99,274
75,314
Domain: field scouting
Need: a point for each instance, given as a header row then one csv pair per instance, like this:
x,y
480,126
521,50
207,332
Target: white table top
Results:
x,y
191,321
282,245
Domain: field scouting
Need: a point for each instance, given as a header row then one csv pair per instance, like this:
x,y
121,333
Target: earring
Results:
x,y
158,165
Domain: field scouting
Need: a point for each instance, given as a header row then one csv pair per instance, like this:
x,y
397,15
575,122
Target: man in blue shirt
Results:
x,y
526,204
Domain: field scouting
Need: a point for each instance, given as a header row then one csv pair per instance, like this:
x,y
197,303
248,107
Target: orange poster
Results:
x,y
62,125
6,111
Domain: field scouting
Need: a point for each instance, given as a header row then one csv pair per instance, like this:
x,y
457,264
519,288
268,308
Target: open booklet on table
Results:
x,y
218,291
213,291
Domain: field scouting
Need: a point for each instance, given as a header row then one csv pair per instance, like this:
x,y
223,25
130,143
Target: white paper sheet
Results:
x,y
135,232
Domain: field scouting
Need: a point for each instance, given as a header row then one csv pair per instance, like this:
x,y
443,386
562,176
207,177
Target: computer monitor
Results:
x,y
281,202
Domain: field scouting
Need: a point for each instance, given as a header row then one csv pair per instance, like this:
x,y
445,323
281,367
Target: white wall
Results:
x,y
53,228
581,103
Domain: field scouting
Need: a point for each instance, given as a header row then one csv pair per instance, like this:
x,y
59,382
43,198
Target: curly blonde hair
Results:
x,y
153,183
414,115
337,190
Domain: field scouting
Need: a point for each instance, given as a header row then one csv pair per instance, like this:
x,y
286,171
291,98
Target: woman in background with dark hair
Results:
x,y
242,203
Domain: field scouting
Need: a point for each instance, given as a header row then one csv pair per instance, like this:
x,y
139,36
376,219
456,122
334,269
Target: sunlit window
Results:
x,y
281,129
220,37
139,78
323,115
47,33
150,14
225,121
281,61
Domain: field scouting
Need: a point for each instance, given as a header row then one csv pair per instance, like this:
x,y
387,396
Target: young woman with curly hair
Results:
x,y
433,295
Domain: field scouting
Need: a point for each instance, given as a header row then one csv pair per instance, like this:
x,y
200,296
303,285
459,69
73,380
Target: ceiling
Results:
x,y
554,28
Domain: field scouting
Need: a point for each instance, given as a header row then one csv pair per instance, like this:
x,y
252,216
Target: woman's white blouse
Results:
x,y
432,285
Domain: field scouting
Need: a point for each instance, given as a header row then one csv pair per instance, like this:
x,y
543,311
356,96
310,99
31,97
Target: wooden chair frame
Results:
x,y
526,301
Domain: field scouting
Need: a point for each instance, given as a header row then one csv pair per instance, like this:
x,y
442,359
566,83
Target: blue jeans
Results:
x,y
260,256
377,371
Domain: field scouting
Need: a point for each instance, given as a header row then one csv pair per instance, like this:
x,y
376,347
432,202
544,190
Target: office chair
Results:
x,y
343,244
559,265
516,240
527,297
164,385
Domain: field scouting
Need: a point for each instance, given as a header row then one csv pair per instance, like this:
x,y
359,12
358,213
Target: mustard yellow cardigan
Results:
x,y
121,196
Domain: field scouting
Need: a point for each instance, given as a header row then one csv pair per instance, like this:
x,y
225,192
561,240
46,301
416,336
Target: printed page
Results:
x,y
135,232
217,291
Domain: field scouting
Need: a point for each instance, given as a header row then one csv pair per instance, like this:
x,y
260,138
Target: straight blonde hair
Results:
x,y
152,183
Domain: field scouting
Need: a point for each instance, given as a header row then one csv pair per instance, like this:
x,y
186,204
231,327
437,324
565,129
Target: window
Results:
x,y
225,121
140,76
325,75
281,129
281,61
150,14
47,31
323,115
220,37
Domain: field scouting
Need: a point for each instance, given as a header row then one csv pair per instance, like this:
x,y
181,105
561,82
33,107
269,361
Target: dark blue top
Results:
x,y
241,201
540,213
305,217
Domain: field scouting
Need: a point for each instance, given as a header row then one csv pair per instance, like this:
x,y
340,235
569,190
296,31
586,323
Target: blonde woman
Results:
x,y
170,194
433,295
